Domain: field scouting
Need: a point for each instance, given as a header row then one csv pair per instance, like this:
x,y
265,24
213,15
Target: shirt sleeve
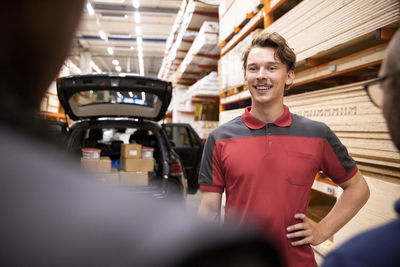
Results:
x,y
211,175
337,164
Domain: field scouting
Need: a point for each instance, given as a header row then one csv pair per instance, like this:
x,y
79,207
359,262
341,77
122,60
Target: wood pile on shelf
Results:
x,y
316,26
360,125
236,13
191,17
201,57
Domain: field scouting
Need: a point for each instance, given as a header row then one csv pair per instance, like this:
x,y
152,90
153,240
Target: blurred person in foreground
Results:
x,y
53,214
266,161
379,246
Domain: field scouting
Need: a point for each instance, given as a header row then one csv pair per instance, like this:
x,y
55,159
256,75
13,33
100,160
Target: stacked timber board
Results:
x,y
203,52
314,26
194,14
234,13
231,65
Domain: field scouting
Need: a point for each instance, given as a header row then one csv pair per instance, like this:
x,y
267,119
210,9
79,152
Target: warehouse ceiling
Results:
x,y
124,23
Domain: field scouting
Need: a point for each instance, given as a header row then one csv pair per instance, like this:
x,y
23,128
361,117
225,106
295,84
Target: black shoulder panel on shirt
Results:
x,y
301,126
235,128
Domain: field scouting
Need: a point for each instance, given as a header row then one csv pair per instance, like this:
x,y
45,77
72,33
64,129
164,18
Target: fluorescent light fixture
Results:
x,y
139,40
115,62
138,30
89,9
132,48
136,3
110,50
102,35
118,68
137,17
113,16
95,67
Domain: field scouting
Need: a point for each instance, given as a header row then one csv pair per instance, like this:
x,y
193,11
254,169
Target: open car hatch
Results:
x,y
112,95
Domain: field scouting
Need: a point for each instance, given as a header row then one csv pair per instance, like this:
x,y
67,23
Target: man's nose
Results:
x,y
261,74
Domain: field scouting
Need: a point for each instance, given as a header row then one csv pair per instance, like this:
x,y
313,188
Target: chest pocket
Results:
x,y
301,168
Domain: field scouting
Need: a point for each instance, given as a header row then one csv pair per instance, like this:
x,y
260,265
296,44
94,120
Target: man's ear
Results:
x,y
289,78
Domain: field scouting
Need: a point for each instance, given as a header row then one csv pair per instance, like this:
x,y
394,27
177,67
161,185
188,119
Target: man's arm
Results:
x,y
210,206
355,195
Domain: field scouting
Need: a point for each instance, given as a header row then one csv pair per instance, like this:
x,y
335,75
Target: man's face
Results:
x,y
266,76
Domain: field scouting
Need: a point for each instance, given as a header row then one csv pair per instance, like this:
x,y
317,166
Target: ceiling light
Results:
x,y
110,50
136,3
137,17
89,9
115,62
113,16
102,35
132,48
130,94
138,30
118,68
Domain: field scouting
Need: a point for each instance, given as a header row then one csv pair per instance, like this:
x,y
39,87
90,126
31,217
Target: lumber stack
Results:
x,y
360,125
204,51
232,14
314,26
231,65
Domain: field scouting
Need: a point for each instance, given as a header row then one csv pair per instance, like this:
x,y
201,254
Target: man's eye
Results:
x,y
251,68
272,68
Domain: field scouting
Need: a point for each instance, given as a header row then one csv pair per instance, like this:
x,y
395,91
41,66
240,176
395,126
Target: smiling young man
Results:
x,y
266,161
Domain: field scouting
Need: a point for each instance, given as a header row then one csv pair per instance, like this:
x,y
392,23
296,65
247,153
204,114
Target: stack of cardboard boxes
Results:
x,y
101,168
134,168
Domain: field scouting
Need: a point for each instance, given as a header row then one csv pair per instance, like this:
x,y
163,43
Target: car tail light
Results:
x,y
176,168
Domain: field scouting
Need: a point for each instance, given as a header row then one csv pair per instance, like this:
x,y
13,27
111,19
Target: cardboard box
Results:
x,y
109,178
133,178
137,165
103,165
131,151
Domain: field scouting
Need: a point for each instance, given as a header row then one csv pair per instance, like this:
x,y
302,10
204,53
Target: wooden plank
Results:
x,y
378,209
362,59
246,30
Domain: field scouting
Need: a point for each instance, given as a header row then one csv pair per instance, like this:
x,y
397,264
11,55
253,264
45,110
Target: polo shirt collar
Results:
x,y
252,122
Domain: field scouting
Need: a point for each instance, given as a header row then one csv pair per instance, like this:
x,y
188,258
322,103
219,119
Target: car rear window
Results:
x,y
91,97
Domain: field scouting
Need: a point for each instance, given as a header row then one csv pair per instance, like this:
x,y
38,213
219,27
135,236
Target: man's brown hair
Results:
x,y
274,40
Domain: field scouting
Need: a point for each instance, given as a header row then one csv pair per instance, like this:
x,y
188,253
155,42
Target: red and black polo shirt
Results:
x,y
267,170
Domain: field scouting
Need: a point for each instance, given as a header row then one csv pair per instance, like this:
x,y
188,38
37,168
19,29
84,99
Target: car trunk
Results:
x,y
109,135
